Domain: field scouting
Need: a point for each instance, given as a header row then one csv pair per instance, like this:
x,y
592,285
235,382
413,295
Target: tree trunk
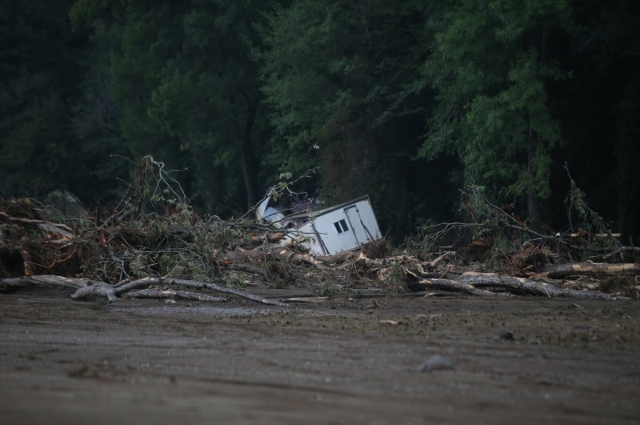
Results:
x,y
532,199
624,211
534,214
243,136
562,270
247,171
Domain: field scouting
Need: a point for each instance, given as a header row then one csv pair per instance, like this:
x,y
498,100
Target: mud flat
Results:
x,y
343,361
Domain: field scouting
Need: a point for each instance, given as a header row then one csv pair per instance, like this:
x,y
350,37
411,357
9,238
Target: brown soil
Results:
x,y
147,362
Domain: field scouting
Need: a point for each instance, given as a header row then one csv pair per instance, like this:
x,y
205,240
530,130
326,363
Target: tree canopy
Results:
x,y
406,101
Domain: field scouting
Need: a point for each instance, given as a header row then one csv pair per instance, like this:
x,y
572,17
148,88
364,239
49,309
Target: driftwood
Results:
x,y
562,270
86,287
491,280
154,294
450,285
480,284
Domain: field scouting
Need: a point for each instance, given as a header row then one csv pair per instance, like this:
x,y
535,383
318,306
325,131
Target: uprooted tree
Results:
x,y
134,251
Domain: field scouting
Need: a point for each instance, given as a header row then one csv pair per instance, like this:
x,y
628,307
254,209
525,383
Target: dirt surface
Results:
x,y
343,361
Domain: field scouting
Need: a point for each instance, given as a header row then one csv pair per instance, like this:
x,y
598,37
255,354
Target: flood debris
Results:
x,y
135,251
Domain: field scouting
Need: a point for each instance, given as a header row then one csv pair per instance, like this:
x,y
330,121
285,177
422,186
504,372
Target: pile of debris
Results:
x,y
133,252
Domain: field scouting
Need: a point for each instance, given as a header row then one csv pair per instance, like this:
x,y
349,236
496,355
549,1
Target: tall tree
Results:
x,y
336,75
188,89
38,74
490,66
208,96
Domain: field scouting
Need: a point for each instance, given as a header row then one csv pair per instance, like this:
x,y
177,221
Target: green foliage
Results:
x,y
336,75
330,290
395,280
489,67
183,248
234,93
234,281
358,293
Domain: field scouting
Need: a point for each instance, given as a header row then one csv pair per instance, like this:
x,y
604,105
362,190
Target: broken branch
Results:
x,y
562,270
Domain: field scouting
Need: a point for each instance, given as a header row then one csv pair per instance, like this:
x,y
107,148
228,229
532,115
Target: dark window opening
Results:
x,y
341,226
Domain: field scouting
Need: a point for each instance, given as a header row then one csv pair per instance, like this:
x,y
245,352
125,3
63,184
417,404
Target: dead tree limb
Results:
x,y
86,287
43,280
154,294
194,284
339,257
29,221
491,280
450,285
434,263
562,270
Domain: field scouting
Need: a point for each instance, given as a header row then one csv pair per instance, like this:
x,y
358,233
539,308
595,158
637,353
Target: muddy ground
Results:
x,y
147,362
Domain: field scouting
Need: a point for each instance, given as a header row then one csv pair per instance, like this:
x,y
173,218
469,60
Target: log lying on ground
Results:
x,y
97,288
154,294
450,285
492,280
479,283
562,270
87,287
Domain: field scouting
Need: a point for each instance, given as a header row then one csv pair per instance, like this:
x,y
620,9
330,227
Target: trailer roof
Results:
x,y
309,214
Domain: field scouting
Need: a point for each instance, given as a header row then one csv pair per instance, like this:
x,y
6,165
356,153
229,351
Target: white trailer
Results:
x,y
339,228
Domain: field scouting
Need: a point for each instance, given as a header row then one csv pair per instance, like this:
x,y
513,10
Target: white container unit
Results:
x,y
339,228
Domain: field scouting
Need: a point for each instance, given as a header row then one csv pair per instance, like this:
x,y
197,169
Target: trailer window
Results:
x,y
341,226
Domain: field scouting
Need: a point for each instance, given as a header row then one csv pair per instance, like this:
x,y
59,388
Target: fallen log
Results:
x,y
100,291
450,285
87,287
562,270
42,280
492,280
154,294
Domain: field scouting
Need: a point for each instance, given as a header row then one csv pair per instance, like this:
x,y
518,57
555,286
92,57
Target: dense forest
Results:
x,y
406,101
